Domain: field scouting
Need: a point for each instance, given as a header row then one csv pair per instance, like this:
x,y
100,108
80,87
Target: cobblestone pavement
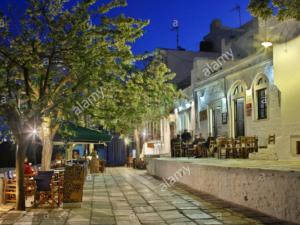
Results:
x,y
128,197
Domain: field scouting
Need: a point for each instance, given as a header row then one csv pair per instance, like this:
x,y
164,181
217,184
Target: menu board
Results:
x,y
73,184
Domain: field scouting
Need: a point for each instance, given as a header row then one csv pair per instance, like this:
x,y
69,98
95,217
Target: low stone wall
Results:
x,y
273,192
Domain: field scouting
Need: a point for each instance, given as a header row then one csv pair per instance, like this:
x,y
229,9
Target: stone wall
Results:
x,y
275,193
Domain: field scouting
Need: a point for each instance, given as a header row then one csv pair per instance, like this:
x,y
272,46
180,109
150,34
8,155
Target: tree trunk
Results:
x,y
20,157
137,143
47,142
19,132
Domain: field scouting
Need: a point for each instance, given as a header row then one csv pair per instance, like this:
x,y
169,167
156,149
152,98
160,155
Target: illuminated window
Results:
x,y
261,97
261,104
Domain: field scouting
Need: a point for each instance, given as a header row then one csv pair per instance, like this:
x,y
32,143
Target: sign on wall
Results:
x,y
249,109
203,115
224,118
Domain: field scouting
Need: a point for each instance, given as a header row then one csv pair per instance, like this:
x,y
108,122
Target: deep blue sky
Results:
x,y
194,17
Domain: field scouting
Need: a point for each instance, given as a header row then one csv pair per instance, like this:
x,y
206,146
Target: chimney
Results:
x,y
215,25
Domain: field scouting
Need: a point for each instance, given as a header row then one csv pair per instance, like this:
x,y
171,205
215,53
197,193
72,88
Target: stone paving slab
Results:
x,y
124,196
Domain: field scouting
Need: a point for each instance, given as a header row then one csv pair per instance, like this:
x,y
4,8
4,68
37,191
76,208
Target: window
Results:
x,y
298,147
260,91
262,104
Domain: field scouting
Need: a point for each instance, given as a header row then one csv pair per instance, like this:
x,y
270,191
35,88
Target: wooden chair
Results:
x,y
29,184
178,149
59,185
129,161
47,190
10,187
231,150
252,144
272,139
201,151
191,151
102,166
222,151
244,147
184,149
212,147
94,165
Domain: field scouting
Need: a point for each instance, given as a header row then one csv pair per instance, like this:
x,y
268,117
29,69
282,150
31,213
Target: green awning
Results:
x,y
71,133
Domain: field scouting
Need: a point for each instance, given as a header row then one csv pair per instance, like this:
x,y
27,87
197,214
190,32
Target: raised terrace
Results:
x,y
271,187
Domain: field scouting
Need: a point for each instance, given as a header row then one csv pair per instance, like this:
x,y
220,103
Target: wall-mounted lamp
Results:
x,y
267,44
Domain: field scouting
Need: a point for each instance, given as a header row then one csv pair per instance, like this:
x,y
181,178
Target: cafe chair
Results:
x,y
10,187
29,184
47,191
178,149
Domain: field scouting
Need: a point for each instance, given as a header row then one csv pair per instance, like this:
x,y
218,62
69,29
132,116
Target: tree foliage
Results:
x,y
60,53
284,9
147,95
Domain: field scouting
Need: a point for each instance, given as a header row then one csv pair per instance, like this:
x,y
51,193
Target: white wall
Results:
x,y
287,79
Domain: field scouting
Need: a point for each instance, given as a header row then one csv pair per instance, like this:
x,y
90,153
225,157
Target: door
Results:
x,y
239,118
217,121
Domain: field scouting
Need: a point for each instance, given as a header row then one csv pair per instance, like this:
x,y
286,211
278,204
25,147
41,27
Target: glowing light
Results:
x,y
34,131
267,44
127,141
188,105
144,133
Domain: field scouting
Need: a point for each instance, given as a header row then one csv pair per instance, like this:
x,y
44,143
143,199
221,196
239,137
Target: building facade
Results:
x,y
244,91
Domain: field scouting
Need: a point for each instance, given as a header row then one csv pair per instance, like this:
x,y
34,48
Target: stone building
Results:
x,y
160,133
243,91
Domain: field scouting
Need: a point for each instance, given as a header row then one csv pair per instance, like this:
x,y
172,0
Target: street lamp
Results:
x,y
34,132
267,44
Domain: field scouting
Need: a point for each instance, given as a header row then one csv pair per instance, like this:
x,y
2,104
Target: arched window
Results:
x,y
238,91
261,97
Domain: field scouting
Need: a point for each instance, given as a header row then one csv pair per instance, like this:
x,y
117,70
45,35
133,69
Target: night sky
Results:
x,y
194,17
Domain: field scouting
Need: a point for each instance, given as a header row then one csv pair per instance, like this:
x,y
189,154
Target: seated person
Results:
x,y
209,139
28,167
198,140
186,136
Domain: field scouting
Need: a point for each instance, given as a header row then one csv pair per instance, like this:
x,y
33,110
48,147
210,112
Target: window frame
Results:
x,y
261,83
262,107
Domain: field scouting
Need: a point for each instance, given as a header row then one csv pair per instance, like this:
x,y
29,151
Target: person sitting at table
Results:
x,y
199,139
28,167
186,136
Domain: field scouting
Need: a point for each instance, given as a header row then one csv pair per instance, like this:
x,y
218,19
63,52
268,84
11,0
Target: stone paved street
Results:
x,y
128,197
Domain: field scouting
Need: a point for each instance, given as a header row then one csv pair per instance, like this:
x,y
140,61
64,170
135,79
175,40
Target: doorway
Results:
x,y
217,121
239,117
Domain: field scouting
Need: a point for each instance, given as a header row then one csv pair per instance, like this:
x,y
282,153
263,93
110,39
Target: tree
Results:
x,y
55,57
146,95
284,9
60,54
